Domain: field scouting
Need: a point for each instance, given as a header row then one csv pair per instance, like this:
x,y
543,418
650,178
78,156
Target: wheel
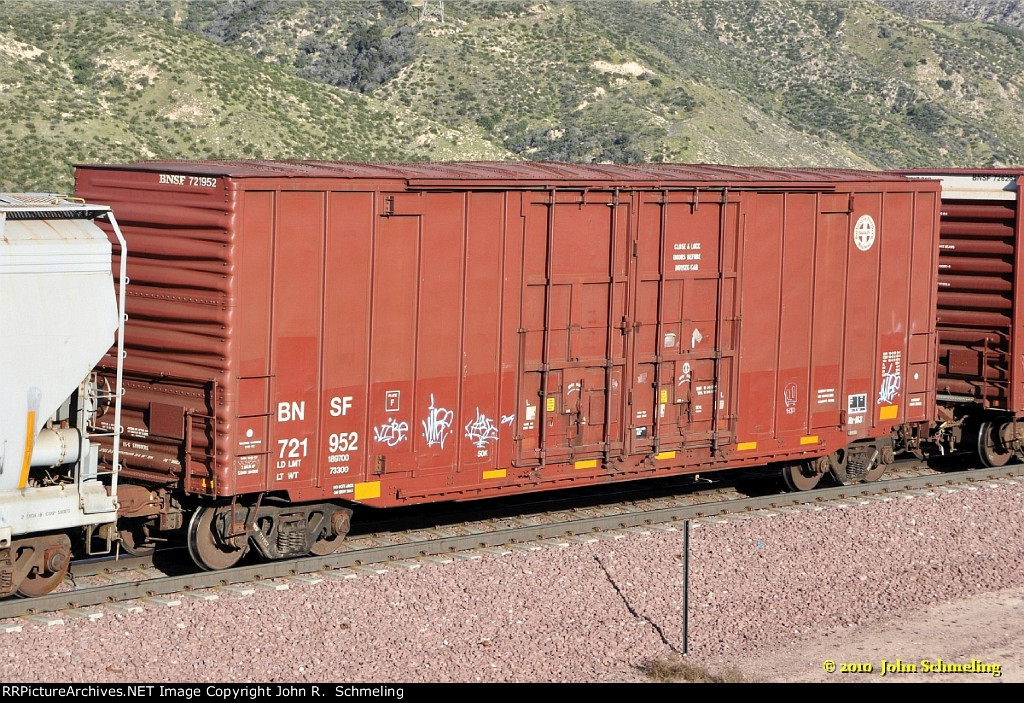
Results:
x,y
206,548
36,585
330,543
134,534
39,582
327,545
881,458
801,476
992,449
875,471
837,466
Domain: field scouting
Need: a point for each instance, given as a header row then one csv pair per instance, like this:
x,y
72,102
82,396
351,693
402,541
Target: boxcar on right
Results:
x,y
980,312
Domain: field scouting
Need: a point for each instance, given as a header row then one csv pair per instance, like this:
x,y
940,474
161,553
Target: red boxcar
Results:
x,y
980,314
398,334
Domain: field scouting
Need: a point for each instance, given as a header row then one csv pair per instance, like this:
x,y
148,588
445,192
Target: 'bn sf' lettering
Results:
x,y
288,411
340,406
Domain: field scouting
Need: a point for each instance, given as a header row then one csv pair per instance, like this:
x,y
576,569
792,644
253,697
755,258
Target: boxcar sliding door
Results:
x,y
574,311
683,322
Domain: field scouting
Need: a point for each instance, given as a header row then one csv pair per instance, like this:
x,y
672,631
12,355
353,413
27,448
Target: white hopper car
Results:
x,y
59,315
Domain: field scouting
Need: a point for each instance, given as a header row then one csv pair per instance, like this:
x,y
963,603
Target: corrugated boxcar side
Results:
x,y
360,339
182,300
981,254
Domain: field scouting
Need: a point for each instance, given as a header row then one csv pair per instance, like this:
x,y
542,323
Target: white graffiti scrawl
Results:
x,y
481,430
890,377
436,427
391,432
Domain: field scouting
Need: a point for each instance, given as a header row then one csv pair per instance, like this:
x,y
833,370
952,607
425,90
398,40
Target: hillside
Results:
x,y
864,84
1008,13
99,84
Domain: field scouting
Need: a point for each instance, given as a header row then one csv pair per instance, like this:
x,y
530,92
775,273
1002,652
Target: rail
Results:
x,y
378,551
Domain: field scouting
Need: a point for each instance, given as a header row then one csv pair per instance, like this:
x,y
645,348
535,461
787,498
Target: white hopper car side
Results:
x,y
59,315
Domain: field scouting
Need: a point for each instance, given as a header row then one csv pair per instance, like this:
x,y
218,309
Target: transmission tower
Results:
x,y
432,8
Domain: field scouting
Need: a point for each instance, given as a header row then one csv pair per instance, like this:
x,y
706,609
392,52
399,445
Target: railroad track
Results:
x,y
169,573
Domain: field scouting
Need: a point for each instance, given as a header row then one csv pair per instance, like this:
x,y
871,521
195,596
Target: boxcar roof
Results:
x,y
964,170
959,183
520,172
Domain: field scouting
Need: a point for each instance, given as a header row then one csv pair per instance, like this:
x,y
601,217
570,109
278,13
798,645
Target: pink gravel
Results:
x,y
572,611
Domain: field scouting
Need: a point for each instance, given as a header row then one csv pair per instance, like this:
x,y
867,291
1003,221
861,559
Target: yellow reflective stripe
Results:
x,y
809,439
30,440
587,464
888,412
496,473
665,455
745,446
365,491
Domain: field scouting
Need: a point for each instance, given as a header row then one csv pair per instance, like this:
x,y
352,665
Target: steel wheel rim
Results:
x,y
134,539
797,477
35,584
988,443
203,546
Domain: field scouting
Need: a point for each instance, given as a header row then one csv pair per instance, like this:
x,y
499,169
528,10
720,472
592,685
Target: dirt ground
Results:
x,y
932,645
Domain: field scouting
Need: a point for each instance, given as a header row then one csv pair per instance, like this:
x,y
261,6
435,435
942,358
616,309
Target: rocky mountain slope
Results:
x,y
845,83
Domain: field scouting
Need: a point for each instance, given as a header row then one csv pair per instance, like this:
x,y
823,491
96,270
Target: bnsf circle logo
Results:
x,y
864,232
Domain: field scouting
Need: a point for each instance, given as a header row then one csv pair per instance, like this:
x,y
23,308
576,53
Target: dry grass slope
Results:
x,y
872,84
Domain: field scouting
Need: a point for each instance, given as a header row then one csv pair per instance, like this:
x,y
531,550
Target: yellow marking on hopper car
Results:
x,y
587,464
809,439
365,491
665,455
888,412
550,405
496,473
30,439
664,396
746,446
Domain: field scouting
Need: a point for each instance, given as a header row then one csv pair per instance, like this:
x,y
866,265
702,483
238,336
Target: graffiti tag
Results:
x,y
481,430
391,432
436,427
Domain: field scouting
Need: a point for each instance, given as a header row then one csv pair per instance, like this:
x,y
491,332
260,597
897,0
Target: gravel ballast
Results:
x,y
564,611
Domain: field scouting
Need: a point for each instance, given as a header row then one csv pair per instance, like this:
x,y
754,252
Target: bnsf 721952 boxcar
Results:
x,y
980,313
303,335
